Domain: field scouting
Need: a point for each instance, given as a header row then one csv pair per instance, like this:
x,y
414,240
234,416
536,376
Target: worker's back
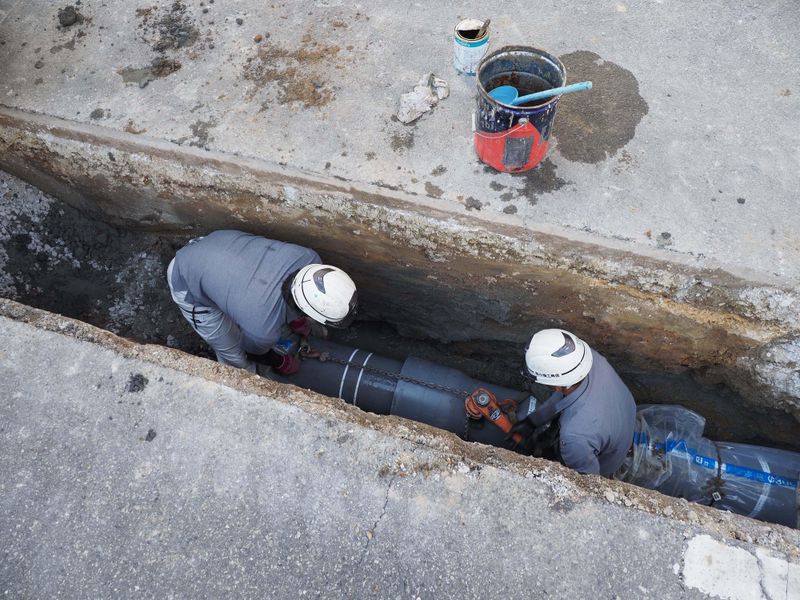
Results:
x,y
597,428
241,275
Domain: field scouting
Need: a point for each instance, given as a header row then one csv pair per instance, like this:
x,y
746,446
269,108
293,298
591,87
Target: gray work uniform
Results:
x,y
228,285
597,421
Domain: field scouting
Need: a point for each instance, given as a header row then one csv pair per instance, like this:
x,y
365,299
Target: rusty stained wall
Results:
x,y
677,333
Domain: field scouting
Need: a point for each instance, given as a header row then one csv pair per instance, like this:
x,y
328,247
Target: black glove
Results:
x,y
524,428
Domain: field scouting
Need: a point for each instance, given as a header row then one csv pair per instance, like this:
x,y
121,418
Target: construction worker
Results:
x,y
240,292
590,403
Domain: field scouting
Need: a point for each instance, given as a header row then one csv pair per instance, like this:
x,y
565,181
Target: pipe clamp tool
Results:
x,y
482,404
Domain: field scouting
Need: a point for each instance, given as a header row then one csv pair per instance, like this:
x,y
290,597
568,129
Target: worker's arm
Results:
x,y
577,452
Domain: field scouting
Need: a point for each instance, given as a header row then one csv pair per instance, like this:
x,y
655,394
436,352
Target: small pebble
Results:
x,y
39,64
668,511
257,39
205,10
240,21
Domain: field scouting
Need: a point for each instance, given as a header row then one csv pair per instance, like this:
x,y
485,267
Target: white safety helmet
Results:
x,y
557,357
326,294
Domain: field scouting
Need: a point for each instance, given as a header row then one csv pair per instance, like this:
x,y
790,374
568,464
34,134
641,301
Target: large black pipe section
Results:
x,y
425,391
668,455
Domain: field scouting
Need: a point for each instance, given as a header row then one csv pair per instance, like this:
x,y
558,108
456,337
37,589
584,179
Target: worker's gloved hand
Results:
x,y
524,427
301,326
289,365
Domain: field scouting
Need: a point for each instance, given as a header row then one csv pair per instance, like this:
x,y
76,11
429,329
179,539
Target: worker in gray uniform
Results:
x,y
592,406
240,292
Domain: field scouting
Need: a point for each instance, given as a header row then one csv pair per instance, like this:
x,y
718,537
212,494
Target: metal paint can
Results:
x,y
513,139
468,49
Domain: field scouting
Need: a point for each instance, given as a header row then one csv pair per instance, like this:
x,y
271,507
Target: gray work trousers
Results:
x,y
215,327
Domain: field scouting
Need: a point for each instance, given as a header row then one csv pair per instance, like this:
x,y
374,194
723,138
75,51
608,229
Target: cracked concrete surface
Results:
x,y
203,481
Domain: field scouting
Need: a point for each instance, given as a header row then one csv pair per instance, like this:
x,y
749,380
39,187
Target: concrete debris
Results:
x,y
68,16
425,95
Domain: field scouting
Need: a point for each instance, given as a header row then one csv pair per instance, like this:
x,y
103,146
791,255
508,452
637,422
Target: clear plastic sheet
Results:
x,y
670,454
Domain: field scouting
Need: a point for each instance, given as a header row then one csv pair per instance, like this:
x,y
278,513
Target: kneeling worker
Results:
x,y
238,291
596,411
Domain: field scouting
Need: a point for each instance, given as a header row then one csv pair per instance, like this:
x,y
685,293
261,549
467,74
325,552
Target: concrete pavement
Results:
x,y
136,471
670,152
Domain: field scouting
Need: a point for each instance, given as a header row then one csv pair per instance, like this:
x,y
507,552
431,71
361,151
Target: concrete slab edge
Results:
x,y
673,276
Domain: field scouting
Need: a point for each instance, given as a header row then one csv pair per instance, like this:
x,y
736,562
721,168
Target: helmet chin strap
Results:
x,y
565,389
286,292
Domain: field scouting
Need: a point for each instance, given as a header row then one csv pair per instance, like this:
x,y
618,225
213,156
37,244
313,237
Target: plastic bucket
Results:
x,y
509,138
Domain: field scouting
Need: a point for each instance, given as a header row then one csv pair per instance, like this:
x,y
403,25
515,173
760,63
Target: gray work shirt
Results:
x,y
241,275
597,421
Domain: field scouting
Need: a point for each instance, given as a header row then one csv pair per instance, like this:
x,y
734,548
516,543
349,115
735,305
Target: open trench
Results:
x,y
55,257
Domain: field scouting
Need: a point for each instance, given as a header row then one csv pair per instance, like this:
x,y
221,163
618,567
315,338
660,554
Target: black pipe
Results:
x,y
424,391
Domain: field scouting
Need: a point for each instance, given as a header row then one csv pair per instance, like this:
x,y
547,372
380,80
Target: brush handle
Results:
x,y
483,29
567,89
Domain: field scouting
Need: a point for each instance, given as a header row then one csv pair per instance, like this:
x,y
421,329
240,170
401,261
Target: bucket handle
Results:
x,y
520,124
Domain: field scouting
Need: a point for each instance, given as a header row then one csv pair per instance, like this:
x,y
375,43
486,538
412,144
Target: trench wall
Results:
x,y
677,328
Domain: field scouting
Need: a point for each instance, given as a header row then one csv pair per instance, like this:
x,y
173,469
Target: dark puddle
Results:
x,y
591,126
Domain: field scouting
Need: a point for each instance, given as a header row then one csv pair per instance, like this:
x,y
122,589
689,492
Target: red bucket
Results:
x,y
513,139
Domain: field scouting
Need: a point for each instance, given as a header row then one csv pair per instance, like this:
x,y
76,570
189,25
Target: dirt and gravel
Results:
x,y
55,258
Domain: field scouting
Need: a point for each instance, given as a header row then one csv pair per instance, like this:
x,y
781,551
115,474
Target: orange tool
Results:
x,y
482,404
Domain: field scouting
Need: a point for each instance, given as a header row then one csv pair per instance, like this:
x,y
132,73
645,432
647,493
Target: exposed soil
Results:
x,y
53,257
292,76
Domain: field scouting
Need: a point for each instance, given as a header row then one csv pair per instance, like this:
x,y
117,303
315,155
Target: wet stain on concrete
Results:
x,y
497,187
158,69
97,113
510,209
591,126
664,239
200,136
402,141
433,190
541,180
471,203
440,170
70,45
506,196
371,155
136,383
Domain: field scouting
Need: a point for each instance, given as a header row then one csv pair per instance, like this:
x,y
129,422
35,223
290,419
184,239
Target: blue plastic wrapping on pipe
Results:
x,y
670,454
